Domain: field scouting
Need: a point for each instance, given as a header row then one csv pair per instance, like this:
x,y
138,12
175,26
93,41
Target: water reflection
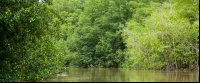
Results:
x,y
125,75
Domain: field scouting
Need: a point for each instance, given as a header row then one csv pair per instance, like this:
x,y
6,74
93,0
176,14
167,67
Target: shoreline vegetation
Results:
x,y
182,69
44,39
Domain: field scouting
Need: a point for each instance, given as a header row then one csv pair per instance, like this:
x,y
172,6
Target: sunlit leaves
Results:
x,y
166,35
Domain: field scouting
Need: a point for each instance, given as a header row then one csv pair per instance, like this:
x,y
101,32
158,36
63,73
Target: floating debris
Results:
x,y
62,75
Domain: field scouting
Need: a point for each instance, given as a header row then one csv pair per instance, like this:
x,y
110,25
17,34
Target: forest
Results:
x,y
41,38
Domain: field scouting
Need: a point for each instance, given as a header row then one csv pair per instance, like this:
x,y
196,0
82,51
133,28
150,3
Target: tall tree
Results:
x,y
95,41
166,39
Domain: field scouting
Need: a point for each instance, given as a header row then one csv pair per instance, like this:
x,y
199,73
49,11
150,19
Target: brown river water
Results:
x,y
124,75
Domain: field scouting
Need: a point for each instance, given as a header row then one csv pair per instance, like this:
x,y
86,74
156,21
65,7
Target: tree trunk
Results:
x,y
174,54
197,53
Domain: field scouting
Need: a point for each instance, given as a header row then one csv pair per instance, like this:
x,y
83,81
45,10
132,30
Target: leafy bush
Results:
x,y
27,45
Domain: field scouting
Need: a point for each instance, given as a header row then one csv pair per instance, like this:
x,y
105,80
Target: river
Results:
x,y
124,75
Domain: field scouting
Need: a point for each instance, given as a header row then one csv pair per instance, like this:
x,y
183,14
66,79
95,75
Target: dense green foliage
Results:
x,y
90,36
37,39
27,47
143,34
166,36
